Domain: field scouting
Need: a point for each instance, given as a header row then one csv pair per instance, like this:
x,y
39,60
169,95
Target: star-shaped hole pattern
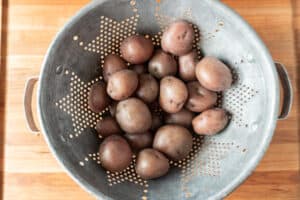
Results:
x,y
76,104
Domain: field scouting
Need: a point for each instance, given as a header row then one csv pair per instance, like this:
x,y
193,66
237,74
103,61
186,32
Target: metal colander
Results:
x,y
217,164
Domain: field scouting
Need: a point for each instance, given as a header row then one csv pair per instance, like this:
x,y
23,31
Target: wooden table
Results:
x,y
29,170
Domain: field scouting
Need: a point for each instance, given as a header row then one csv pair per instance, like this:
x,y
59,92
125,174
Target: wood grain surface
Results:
x,y
29,170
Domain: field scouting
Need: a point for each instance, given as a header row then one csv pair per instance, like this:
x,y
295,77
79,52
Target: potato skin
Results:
x,y
210,121
115,153
162,64
133,116
173,94
108,126
187,66
178,38
157,121
112,64
174,141
151,164
122,84
183,118
98,98
213,74
200,98
139,69
113,108
139,141
148,88
136,49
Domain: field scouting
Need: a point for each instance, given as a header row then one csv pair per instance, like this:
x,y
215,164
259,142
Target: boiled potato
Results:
x,y
108,126
113,108
213,74
139,69
162,64
122,84
98,98
133,116
178,38
115,153
210,121
173,94
187,66
174,141
157,121
139,141
112,64
148,88
136,49
151,164
200,98
183,118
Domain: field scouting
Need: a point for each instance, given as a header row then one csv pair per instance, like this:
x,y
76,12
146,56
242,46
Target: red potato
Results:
x,y
183,118
162,64
148,88
157,121
122,84
112,64
187,66
133,116
174,141
178,38
98,98
108,126
139,69
173,94
151,164
213,74
136,49
115,153
200,98
210,121
139,141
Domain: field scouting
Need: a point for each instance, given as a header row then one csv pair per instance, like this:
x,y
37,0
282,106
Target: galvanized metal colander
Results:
x,y
217,164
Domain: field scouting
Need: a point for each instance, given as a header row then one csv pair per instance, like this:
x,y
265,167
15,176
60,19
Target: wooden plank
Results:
x,y
31,172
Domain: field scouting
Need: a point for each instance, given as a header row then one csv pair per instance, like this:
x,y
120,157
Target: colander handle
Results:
x,y
27,105
287,91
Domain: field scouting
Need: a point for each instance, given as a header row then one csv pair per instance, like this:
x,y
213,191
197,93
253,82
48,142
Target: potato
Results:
x,y
115,153
133,116
213,74
200,98
113,108
157,121
210,121
173,94
174,141
148,88
112,64
151,164
183,118
139,69
187,66
139,141
122,84
136,49
108,126
98,98
162,64
178,38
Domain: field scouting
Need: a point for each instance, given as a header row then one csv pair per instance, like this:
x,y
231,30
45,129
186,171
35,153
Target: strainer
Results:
x,y
217,164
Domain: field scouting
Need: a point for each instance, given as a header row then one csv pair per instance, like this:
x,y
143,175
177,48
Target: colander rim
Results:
x,y
271,123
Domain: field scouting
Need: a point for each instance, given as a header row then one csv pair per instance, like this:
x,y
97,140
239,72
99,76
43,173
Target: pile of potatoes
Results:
x,y
171,79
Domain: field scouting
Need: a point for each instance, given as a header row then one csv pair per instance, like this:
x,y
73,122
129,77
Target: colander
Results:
x,y
217,164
